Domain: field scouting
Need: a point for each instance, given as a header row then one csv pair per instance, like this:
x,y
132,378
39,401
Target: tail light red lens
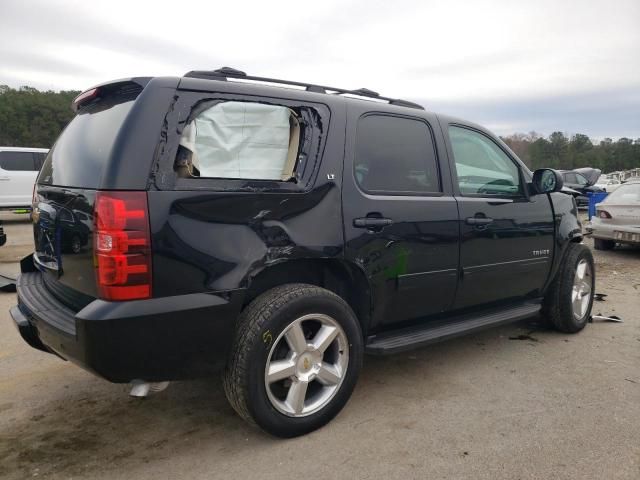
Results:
x,y
122,245
84,97
603,214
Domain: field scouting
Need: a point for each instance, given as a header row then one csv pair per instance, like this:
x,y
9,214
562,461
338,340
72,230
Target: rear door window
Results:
x,y
240,140
17,161
395,155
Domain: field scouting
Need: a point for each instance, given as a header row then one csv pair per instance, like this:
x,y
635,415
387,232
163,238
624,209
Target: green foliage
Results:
x,y
559,151
30,118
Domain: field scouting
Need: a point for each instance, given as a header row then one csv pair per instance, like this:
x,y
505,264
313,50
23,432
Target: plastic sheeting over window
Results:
x,y
243,140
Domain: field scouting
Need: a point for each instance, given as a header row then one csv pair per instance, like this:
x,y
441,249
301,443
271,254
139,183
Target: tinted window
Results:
x,y
481,165
39,159
395,155
81,153
570,178
17,161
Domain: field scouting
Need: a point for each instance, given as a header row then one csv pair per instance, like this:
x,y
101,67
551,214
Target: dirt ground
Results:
x,y
518,402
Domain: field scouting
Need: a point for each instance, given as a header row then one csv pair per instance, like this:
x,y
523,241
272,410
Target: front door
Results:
x,y
506,235
400,217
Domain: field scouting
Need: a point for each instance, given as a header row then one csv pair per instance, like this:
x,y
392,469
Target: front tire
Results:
x,y
569,298
295,360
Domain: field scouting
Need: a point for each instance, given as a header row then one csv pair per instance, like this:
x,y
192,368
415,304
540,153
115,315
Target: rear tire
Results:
x,y
601,244
76,244
569,299
295,360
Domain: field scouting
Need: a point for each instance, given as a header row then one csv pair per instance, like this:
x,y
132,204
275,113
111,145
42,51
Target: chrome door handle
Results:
x,y
479,221
372,222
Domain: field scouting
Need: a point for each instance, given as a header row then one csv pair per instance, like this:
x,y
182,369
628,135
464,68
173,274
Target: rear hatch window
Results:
x,y
67,189
81,153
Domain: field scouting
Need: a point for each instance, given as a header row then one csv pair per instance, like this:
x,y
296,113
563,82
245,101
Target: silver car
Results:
x,y
617,218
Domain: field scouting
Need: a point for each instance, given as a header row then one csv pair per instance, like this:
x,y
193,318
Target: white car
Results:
x,y
19,168
617,218
608,184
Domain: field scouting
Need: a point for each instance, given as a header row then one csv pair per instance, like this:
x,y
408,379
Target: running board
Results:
x,y
417,336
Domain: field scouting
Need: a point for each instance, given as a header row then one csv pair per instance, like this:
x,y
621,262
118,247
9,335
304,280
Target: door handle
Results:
x,y
372,222
5,178
479,221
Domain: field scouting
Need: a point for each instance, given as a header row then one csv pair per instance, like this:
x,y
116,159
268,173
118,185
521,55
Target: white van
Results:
x,y
19,168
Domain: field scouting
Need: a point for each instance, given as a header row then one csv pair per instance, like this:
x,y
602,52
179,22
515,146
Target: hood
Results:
x,y
591,174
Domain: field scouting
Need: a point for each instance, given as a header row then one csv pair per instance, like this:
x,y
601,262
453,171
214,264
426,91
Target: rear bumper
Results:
x,y
607,232
158,339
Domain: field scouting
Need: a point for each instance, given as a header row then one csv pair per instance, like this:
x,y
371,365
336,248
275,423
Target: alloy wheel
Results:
x,y
306,365
582,291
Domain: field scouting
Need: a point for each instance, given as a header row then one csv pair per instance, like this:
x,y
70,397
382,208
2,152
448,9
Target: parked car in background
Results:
x,y
3,236
19,168
617,218
608,184
582,180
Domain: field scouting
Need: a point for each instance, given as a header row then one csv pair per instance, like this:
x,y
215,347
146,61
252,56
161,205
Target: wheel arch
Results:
x,y
568,230
341,277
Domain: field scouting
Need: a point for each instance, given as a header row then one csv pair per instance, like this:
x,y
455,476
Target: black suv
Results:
x,y
280,234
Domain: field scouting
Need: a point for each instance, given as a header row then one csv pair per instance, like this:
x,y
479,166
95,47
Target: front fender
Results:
x,y
568,229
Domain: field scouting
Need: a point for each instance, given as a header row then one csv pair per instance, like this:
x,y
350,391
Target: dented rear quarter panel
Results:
x,y
213,236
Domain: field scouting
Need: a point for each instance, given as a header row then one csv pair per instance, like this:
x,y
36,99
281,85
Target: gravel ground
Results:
x,y
517,402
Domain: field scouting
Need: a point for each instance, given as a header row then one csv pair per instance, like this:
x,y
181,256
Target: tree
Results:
x,y
558,151
30,118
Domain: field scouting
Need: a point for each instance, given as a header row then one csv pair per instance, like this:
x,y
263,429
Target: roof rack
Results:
x,y
228,72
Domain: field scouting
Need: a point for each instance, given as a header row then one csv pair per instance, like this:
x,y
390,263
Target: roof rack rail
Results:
x,y
228,72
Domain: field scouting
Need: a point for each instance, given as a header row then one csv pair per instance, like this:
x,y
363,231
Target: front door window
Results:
x,y
482,167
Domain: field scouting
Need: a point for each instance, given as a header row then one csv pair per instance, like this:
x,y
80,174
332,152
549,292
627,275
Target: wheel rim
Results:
x,y
75,245
306,365
581,292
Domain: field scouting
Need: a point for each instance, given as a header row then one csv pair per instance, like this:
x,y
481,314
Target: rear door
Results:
x,y
506,235
400,218
18,173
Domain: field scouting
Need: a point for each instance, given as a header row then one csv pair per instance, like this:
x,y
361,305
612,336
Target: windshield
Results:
x,y
628,194
80,154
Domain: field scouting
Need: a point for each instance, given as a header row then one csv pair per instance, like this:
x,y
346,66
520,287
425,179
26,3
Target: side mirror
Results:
x,y
547,180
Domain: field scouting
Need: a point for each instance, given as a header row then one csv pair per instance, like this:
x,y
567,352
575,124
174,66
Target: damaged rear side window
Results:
x,y
240,140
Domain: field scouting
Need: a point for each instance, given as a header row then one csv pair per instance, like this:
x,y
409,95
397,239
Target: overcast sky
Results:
x,y
544,65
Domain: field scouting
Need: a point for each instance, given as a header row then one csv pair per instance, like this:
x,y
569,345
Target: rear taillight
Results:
x,y
122,245
603,214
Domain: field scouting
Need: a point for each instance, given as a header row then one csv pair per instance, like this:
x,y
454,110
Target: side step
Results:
x,y
417,336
